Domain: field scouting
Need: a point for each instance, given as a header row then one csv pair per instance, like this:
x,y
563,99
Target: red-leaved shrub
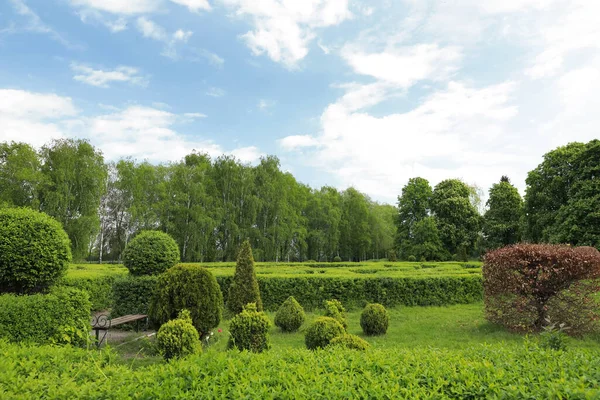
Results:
x,y
526,283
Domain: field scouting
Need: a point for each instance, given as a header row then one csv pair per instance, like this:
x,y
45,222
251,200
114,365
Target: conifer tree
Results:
x,y
244,288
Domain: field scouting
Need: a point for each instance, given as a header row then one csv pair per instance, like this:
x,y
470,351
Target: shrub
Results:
x,y
59,317
348,341
526,283
133,295
334,309
35,251
337,259
150,253
412,258
321,332
244,287
188,287
250,330
100,289
392,256
374,320
553,337
178,338
290,316
422,259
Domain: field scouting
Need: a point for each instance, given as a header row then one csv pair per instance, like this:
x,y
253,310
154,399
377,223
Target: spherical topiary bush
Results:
x,y
150,253
290,315
35,251
348,341
374,320
188,287
335,310
178,338
337,259
412,258
321,332
250,330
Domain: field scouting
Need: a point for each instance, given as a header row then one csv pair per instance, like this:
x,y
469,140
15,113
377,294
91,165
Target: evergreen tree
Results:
x,y
501,222
244,287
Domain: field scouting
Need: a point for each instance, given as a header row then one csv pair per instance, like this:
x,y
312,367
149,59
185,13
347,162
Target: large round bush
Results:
x,y
151,253
321,332
188,287
178,338
250,330
290,316
34,251
374,320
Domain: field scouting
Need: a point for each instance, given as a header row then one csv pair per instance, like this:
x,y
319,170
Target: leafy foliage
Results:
x,y
337,259
523,282
178,338
554,337
320,333
192,288
250,330
59,317
290,316
20,175
133,295
244,287
348,341
34,251
150,253
374,320
501,222
334,309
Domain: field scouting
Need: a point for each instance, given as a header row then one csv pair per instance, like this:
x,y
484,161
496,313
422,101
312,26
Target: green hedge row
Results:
x,y
499,372
60,317
100,289
133,295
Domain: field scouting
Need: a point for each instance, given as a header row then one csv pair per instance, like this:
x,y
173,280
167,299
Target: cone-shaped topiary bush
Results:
x,y
290,315
348,341
178,338
244,287
335,310
374,320
35,251
150,253
321,332
250,330
188,287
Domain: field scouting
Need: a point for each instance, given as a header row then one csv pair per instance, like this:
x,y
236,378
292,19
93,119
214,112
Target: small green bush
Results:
x,y
244,287
290,316
554,337
412,258
334,309
250,330
133,295
422,259
35,251
59,317
188,287
150,253
374,320
321,332
348,341
337,259
178,338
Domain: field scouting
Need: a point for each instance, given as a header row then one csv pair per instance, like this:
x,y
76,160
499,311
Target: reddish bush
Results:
x,y
525,283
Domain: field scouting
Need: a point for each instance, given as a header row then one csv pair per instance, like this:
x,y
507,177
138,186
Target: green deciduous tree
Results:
x,y
20,175
413,207
501,222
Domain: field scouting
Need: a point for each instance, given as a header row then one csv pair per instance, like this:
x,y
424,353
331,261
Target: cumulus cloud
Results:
x,y
102,78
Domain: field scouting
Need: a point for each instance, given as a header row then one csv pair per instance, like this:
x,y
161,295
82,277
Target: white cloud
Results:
x,y
264,104
297,142
249,154
194,5
215,92
101,78
151,30
35,24
126,7
212,58
182,36
195,115
283,29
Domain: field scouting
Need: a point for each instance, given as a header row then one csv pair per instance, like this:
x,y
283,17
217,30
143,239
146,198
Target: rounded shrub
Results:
x,y
250,330
35,251
150,253
290,315
244,287
348,341
178,338
412,258
334,309
321,332
188,287
337,259
374,320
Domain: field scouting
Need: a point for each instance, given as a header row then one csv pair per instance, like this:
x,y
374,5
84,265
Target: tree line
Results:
x,y
210,206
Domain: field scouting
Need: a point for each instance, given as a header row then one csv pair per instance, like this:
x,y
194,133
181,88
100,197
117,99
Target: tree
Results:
x,y
244,287
75,180
413,207
501,222
426,242
354,228
457,218
20,175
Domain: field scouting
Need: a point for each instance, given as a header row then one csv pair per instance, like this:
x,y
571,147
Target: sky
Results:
x,y
345,92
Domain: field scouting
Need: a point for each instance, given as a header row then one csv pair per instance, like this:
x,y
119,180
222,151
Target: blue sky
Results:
x,y
362,93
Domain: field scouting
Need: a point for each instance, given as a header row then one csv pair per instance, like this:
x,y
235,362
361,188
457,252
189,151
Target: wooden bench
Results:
x,y
102,323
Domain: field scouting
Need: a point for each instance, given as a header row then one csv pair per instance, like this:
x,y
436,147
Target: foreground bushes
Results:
x,y
60,317
322,332
178,338
250,330
508,372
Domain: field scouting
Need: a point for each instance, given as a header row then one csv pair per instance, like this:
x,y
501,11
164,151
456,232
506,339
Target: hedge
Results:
x,y
60,317
132,295
99,289
501,372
